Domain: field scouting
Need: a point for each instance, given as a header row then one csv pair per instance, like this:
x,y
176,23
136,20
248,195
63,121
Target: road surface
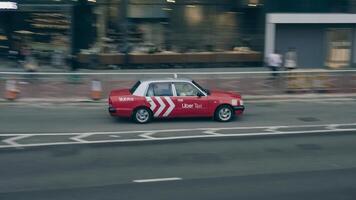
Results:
x,y
302,166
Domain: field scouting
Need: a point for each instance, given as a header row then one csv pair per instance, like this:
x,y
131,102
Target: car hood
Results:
x,y
120,92
220,93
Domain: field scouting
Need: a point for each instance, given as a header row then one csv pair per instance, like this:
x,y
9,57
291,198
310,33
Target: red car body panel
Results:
x,y
123,104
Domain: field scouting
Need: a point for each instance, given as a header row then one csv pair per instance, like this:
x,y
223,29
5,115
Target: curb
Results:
x,y
289,97
299,96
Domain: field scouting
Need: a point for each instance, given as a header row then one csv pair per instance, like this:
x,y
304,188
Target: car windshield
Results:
x,y
135,86
201,88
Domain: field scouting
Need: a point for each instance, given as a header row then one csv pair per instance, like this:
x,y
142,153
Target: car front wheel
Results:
x,y
142,115
224,113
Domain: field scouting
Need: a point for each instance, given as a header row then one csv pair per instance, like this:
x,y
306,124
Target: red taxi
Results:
x,y
169,98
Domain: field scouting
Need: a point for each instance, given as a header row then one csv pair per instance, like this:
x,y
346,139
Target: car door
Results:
x,y
189,100
160,97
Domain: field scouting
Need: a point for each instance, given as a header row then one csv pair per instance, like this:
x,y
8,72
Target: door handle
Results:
x,y
180,100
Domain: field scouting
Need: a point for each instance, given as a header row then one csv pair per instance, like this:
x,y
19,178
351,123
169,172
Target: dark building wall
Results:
x,y
201,26
83,30
309,41
306,6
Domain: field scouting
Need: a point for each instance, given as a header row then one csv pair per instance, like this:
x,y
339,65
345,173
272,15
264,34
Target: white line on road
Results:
x,y
11,141
79,137
211,132
147,135
273,129
175,130
181,137
157,180
332,127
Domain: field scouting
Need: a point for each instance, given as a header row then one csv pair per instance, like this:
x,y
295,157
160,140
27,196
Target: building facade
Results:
x,y
244,29
323,32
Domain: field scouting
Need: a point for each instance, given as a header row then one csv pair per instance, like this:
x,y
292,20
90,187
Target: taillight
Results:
x,y
110,102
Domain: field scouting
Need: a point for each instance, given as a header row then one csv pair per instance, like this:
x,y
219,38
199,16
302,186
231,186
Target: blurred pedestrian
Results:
x,y
291,58
274,62
31,64
73,62
74,66
57,59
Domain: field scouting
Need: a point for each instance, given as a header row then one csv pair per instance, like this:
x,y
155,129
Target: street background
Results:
x,y
292,61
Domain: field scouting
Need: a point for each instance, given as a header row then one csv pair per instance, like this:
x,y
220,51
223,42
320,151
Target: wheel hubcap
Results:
x,y
142,115
225,114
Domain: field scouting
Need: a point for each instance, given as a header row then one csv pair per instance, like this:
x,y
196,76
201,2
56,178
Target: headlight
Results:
x,y
234,102
241,102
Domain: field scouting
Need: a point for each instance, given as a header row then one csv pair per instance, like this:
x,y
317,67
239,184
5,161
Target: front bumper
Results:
x,y
239,108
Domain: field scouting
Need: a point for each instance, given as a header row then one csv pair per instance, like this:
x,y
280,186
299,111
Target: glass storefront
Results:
x,y
339,42
203,31
42,30
174,25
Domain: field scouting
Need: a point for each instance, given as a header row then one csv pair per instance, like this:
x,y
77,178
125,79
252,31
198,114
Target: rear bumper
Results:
x,y
112,110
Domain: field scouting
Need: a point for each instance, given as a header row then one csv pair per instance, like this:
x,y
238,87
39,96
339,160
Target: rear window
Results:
x,y
160,89
135,86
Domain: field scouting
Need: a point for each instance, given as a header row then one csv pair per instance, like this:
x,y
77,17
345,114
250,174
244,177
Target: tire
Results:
x,y
224,113
142,115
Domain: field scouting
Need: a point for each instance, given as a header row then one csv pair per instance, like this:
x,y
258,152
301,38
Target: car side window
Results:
x,y
159,89
186,89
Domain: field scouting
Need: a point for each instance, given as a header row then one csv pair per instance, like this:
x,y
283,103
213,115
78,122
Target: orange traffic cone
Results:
x,y
11,92
96,90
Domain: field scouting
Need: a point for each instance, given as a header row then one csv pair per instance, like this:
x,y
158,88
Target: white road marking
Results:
x,y
332,127
273,129
157,180
171,107
161,108
79,137
180,137
11,141
211,132
147,135
176,130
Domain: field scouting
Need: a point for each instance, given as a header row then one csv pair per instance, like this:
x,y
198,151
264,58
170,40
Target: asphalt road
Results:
x,y
296,167
94,117
305,166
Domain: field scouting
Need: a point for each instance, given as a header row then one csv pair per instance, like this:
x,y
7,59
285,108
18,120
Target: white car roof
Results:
x,y
166,80
142,88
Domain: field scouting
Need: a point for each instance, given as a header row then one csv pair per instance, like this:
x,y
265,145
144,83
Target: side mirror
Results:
x,y
200,94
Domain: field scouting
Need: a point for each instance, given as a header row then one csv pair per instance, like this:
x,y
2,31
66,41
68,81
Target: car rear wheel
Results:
x,y
224,113
142,115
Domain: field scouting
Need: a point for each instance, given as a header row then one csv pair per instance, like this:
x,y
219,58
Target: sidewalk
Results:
x,y
247,99
77,88
10,67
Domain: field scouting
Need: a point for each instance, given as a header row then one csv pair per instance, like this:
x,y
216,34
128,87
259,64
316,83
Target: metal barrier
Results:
x,y
81,85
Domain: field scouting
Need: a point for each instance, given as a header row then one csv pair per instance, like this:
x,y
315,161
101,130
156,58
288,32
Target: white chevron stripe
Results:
x,y
152,103
171,107
161,108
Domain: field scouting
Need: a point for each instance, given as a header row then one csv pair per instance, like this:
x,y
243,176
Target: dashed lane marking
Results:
x,y
147,135
170,134
157,180
79,138
12,141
